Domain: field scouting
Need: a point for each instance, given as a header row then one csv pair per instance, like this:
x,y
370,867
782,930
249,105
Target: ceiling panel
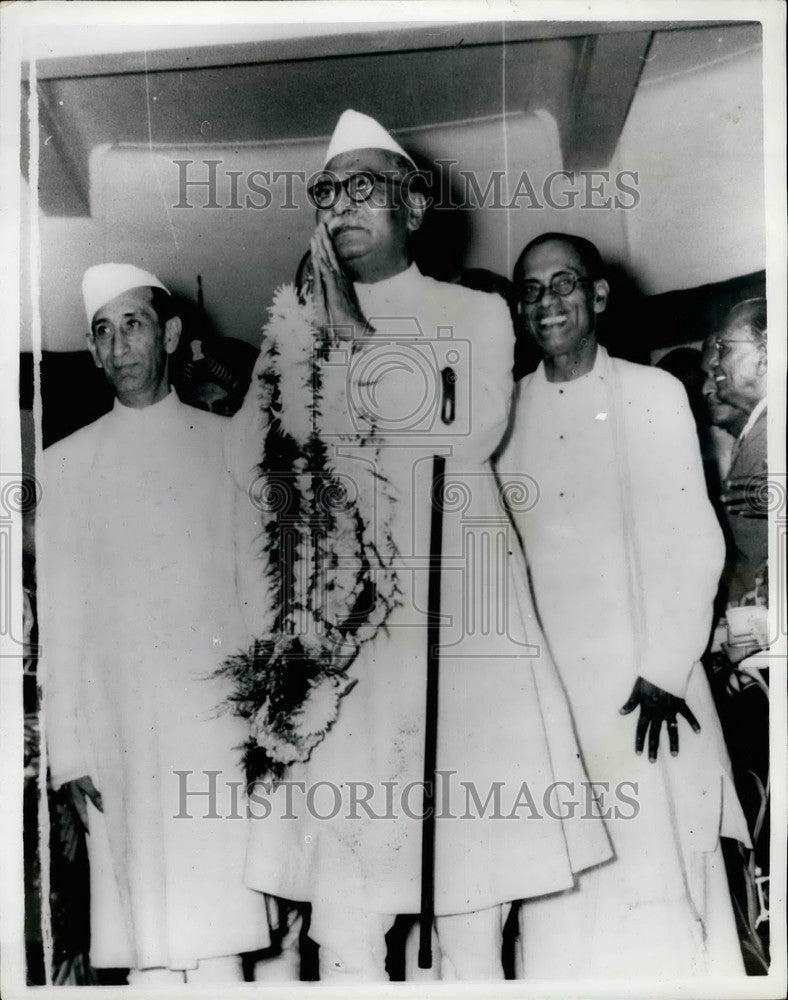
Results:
x,y
286,100
406,77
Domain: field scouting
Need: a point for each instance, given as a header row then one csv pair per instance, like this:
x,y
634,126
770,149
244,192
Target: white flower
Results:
x,y
258,723
319,710
283,751
279,749
291,331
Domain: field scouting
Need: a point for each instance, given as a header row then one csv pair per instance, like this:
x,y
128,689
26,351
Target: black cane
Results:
x,y
448,379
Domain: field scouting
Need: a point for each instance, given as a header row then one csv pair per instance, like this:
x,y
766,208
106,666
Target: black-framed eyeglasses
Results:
x,y
359,187
563,284
723,347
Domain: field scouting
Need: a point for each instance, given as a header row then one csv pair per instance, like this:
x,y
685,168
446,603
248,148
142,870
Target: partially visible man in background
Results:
x,y
138,608
735,389
726,419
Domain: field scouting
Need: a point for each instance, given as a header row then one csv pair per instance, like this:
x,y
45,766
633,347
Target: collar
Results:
x,y
389,288
144,416
751,420
600,369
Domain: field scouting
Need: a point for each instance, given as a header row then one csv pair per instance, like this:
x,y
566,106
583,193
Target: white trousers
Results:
x,y
225,969
353,947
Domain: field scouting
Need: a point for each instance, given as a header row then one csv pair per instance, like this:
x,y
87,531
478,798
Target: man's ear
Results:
x,y
601,292
417,206
762,357
93,351
172,333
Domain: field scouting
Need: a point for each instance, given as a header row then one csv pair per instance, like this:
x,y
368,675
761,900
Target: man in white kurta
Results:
x,y
501,717
139,607
625,554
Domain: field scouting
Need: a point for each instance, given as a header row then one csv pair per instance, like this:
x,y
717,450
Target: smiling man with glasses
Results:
x,y
560,289
624,553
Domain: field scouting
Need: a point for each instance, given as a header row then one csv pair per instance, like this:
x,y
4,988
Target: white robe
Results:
x,y
502,715
138,608
625,554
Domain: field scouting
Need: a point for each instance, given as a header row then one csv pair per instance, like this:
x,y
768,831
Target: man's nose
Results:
x,y
343,201
548,296
120,343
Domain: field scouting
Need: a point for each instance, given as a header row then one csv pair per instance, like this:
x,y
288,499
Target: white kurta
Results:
x,y
502,715
138,608
625,554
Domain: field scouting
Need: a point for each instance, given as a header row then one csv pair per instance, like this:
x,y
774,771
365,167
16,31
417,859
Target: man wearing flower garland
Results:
x,y
392,331
138,603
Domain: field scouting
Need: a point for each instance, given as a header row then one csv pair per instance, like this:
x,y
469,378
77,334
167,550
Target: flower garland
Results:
x,y
328,548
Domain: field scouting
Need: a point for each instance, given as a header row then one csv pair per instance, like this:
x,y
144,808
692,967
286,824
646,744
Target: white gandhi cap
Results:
x,y
104,282
356,131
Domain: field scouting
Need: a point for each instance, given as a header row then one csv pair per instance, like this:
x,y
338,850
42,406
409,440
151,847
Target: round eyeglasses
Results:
x,y
359,187
563,284
723,347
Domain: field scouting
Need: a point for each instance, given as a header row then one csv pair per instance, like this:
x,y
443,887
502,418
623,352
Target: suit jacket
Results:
x,y
750,535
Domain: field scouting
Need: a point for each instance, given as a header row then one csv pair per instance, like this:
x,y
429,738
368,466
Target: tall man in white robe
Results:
x,y
501,717
625,554
138,608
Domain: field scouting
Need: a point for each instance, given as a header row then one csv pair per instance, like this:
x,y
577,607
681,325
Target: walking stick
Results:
x,y
427,913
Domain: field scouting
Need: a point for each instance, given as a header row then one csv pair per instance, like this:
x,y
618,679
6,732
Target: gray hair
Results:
x,y
751,313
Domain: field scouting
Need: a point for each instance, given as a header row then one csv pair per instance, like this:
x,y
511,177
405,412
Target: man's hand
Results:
x,y
77,791
657,706
335,296
746,496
